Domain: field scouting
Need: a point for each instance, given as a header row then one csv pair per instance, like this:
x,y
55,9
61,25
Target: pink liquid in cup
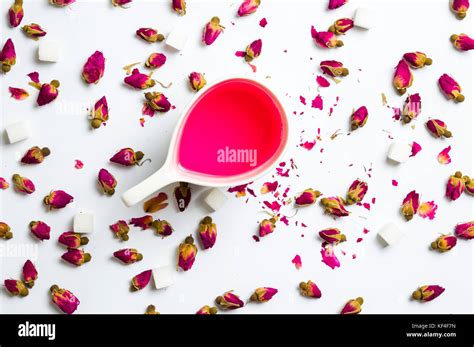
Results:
x,y
236,127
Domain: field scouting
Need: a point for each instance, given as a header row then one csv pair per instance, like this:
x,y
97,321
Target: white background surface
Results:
x,y
384,277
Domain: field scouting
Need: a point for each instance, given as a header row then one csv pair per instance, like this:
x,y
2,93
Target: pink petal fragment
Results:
x,y
18,93
263,22
317,102
427,209
79,164
329,258
415,148
303,100
395,183
297,261
322,82
240,54
444,157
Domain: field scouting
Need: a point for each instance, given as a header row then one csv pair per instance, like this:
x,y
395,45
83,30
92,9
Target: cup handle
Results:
x,y
158,180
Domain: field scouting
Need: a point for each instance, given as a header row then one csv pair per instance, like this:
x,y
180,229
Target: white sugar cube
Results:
x,y
83,223
390,234
163,276
18,131
49,50
214,199
364,18
177,40
399,152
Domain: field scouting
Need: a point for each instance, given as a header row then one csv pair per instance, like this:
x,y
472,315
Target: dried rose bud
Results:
x,y
23,184
8,56
325,39
47,91
157,102
162,227
34,31
187,252
94,68
333,68
139,80
444,243
179,6
341,26
267,226
150,35
248,7
5,231
72,240
156,203
76,257
207,232
29,273
462,42
359,118
207,310
182,194
4,184
353,306
40,229
16,13
307,197
144,222
333,4
403,78
64,299
469,184
334,206
151,310
460,7
310,290
107,182
438,128
212,30
155,60
332,236
427,293
455,186
197,81
128,255
57,199
229,301
141,280
18,93
356,192
253,50
263,294
410,205
61,3
412,108
451,88
99,113
35,155
127,157
121,3
465,230
417,59
120,229
16,287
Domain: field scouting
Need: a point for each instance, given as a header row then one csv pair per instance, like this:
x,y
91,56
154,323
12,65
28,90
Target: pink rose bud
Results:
x,y
72,240
248,7
333,4
30,274
410,205
107,182
76,257
179,6
40,229
157,102
263,294
127,157
207,232
197,81
333,68
16,287
451,88
155,60
34,31
5,231
462,42
23,184
187,252
444,243
325,39
94,68
334,206
465,230
16,13
48,93
469,183
460,7
417,59
35,155
427,293
353,306
150,35
403,78
438,128
100,113
120,229
359,117
64,299
332,236
18,93
253,50
57,199
144,222
356,192
8,56
182,194
207,310
121,3
141,280
4,184
139,80
229,301
212,30
61,3
128,255
310,290
341,26
267,226
412,108
308,197
455,186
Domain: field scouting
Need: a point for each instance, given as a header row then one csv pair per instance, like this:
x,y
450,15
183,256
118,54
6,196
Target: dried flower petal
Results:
x,y
29,273
144,222
310,289
72,240
451,88
334,206
3,184
64,299
333,4
187,252
332,236
460,7
16,287
263,294
57,199
16,13
120,229
128,255
267,226
40,229
207,232
229,301
465,230
427,293
8,56
417,59
427,210
212,30
412,108
353,306
341,26
76,257
179,6
415,148
207,310
444,243
127,157
150,35
156,203
333,68
5,231
403,78
438,128
248,7
359,118
444,157
197,81
155,60
455,186
297,261
462,42
329,258
306,198
18,93
35,155
410,205
23,184
182,194
94,68
325,39
162,227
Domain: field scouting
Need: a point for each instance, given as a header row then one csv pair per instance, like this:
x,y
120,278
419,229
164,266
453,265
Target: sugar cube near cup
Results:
x,y
399,152
18,131
390,234
163,276
177,40
364,18
49,50
83,223
214,199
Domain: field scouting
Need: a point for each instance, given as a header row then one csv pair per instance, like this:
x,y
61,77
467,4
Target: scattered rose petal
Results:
x,y
415,148
297,261
427,209
18,93
444,157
